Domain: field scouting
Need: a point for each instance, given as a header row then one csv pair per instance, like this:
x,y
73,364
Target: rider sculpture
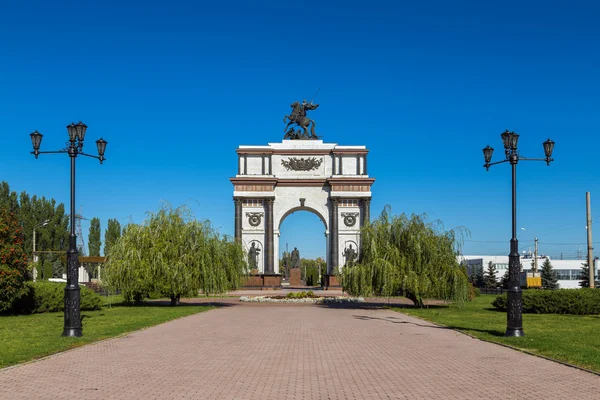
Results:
x,y
298,117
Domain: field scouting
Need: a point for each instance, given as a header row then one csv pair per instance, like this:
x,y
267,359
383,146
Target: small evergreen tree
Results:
x,y
489,280
585,276
479,278
111,235
549,278
94,237
505,280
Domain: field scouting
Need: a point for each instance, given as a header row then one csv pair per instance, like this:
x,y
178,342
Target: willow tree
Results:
x,y
407,256
173,255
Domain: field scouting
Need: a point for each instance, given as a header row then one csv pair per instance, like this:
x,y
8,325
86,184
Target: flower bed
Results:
x,y
312,300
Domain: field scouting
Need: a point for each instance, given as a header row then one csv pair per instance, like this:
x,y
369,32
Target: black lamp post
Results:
x,y
514,326
74,148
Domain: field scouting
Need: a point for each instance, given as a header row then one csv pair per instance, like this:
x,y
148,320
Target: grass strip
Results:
x,y
28,337
572,339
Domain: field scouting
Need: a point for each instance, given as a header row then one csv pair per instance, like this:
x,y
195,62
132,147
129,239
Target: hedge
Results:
x,y
562,301
44,296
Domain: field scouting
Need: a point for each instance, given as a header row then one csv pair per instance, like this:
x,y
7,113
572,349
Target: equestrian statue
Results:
x,y
298,117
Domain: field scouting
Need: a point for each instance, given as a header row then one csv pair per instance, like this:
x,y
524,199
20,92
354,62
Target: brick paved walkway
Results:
x,y
295,352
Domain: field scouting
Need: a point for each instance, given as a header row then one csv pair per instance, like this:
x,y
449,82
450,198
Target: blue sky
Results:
x,y
175,87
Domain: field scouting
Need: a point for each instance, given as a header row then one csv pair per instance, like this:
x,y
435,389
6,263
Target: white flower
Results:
x,y
327,299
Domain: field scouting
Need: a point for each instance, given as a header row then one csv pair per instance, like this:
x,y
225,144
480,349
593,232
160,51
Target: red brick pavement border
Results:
x,y
295,352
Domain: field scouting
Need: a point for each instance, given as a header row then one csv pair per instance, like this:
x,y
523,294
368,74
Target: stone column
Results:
x,y
262,159
269,246
239,164
366,211
341,170
270,164
358,165
365,165
238,218
334,234
245,164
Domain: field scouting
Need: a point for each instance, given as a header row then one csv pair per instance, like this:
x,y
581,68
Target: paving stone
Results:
x,y
307,352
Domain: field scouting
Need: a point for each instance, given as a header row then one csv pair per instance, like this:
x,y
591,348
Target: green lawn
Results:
x,y
568,338
27,337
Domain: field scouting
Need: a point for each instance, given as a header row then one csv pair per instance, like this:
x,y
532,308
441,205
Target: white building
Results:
x,y
568,271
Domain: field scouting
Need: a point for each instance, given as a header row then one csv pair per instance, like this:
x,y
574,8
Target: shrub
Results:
x,y
44,296
560,301
301,295
13,261
473,291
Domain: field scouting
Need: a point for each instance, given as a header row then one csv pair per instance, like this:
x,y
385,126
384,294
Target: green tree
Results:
x,y
94,241
174,255
505,280
478,277
549,278
407,256
585,276
13,260
489,280
111,235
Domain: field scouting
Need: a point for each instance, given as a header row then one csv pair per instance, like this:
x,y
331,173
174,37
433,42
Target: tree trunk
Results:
x,y
175,300
417,300
138,299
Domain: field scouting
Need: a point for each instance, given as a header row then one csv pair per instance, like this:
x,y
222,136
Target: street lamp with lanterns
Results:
x,y
514,326
72,325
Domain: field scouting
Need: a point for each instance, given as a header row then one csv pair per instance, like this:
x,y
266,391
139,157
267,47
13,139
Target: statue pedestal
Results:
x,y
295,277
262,282
331,282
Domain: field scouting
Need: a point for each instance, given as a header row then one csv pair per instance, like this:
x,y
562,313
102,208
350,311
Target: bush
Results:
x,y
560,301
301,295
473,292
13,261
43,297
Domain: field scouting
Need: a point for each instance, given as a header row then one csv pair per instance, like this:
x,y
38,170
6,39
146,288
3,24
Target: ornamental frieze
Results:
x,y
302,164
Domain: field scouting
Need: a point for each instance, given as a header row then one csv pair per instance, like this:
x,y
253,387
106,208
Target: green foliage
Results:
x,y
175,256
13,260
94,241
561,301
46,270
310,271
473,292
58,268
585,276
505,280
31,212
43,296
407,256
301,295
489,280
111,235
479,278
548,275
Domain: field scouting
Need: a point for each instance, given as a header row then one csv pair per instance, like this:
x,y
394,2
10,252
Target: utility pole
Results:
x,y
590,253
535,257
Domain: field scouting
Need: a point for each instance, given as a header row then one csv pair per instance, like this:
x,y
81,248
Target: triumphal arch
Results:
x,y
301,173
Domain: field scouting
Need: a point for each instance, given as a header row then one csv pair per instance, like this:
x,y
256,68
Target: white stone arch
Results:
x,y
325,179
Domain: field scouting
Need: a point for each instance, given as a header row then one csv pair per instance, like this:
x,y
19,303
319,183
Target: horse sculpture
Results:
x,y
298,117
